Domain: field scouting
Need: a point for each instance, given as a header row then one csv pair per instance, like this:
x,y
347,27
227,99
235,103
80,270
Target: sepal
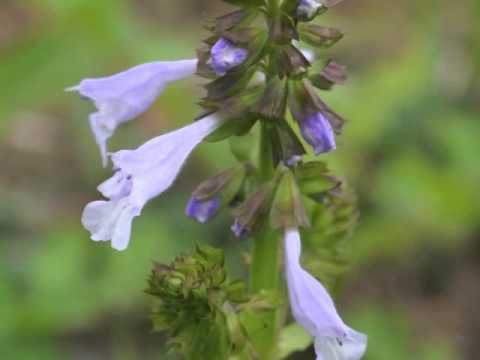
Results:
x,y
283,30
291,61
273,102
233,20
250,215
314,179
215,193
286,146
304,102
332,74
319,36
287,207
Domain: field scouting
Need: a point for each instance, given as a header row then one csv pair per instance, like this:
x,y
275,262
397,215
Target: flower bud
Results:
x,y
194,299
249,215
212,194
291,61
318,123
286,146
308,9
202,211
224,56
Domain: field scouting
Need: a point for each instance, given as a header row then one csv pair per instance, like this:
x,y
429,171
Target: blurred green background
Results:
x,y
411,150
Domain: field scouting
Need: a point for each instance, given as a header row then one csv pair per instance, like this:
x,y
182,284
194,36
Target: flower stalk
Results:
x,y
259,75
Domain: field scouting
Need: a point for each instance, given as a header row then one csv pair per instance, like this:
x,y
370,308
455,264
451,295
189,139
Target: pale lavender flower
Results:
x,y
314,310
224,56
124,96
202,211
318,132
141,175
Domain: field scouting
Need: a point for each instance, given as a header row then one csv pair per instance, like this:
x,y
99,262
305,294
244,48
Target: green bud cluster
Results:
x,y
198,305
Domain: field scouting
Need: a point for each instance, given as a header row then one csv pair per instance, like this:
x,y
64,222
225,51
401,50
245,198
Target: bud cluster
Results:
x,y
197,304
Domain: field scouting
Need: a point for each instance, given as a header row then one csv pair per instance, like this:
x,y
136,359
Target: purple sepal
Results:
x,y
318,132
224,56
202,211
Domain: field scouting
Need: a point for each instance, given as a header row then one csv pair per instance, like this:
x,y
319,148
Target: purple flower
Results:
x,y
238,229
318,132
141,175
307,9
122,97
224,56
314,310
202,211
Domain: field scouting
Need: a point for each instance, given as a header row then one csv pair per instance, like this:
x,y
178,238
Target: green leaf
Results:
x,y
293,338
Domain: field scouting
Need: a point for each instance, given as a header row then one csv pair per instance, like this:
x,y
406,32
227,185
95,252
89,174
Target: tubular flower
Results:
x,y
314,310
141,175
224,56
122,97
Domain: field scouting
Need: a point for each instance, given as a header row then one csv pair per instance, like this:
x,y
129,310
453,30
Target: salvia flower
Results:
x,y
224,56
141,175
124,96
314,310
203,211
318,132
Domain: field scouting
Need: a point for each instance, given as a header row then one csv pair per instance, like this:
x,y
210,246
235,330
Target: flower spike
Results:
x,y
124,96
141,175
314,310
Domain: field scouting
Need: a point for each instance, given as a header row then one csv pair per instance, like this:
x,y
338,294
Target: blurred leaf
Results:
x,y
293,338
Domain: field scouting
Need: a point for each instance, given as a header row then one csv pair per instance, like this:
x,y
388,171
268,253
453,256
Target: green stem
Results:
x,y
264,270
265,156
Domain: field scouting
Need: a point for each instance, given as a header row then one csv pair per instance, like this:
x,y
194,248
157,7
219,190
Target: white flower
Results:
x,y
124,96
141,175
314,310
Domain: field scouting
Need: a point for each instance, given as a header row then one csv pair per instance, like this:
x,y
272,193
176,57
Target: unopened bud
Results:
x,y
249,215
308,9
318,123
212,194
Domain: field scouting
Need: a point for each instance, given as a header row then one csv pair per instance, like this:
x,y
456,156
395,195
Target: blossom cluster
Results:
x,y
259,65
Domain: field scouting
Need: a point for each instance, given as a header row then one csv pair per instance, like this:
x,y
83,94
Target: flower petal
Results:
x,y
318,132
225,56
202,211
351,348
313,309
122,97
110,220
141,175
